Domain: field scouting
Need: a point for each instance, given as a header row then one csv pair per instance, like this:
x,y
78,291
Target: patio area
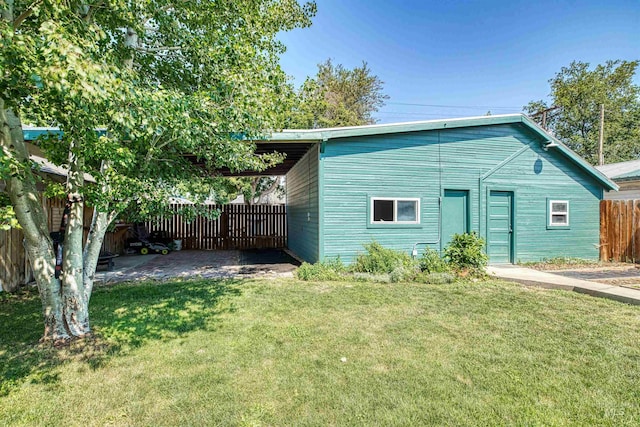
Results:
x,y
189,264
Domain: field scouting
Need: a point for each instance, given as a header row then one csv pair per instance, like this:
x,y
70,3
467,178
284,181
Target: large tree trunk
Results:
x,y
76,303
99,225
26,203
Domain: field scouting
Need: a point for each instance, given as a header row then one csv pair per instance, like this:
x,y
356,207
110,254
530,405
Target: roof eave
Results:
x,y
566,151
319,135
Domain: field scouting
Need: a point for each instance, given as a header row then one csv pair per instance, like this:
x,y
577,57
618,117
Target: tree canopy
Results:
x,y
338,96
335,96
577,91
171,85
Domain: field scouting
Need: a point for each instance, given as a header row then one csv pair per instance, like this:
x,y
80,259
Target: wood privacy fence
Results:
x,y
236,227
14,264
620,230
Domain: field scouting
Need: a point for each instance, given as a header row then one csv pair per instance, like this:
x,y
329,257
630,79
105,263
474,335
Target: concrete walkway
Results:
x,y
544,279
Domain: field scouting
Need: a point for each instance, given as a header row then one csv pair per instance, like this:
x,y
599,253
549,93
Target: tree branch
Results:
x,y
157,49
24,15
273,187
92,10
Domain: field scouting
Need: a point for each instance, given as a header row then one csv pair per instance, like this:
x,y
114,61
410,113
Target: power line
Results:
x,y
454,106
408,113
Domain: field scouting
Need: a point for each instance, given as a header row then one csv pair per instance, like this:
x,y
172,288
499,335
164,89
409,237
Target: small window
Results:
x,y
395,211
558,213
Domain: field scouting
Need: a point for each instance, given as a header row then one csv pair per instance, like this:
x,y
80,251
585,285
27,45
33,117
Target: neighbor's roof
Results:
x,y
321,135
49,168
623,171
32,133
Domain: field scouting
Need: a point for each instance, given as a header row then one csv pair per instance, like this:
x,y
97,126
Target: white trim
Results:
x,y
551,213
395,209
398,124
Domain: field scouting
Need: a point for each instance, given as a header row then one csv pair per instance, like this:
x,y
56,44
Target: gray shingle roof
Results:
x,y
622,170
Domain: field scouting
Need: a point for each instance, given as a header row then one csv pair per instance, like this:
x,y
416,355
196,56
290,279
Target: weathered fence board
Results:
x,y
227,227
620,230
12,260
14,264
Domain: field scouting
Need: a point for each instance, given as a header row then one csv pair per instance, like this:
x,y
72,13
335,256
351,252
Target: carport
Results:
x,y
243,235
239,226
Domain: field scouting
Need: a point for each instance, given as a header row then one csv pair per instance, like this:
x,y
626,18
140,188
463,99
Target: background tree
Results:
x,y
337,96
258,190
164,80
578,92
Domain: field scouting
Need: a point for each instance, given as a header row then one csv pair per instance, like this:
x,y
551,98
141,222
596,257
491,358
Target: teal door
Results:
x,y
455,215
500,232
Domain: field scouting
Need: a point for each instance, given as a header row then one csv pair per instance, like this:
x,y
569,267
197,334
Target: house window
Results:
x,y
395,211
558,213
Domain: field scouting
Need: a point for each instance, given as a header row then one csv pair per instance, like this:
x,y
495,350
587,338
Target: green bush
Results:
x,y
380,260
404,273
435,278
465,253
331,269
370,277
432,262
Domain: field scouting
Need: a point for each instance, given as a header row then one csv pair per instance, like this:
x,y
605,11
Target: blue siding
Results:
x,y
302,207
477,159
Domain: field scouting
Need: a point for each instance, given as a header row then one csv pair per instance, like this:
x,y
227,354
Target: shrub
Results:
x,y
331,269
380,260
432,262
436,278
403,274
369,277
465,253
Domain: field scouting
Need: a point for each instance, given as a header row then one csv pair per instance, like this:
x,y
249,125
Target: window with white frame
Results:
x,y
558,213
389,210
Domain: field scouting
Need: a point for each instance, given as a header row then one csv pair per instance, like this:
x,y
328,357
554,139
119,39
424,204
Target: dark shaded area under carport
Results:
x,y
265,256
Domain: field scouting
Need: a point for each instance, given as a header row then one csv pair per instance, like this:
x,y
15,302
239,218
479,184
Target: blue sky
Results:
x,y
446,55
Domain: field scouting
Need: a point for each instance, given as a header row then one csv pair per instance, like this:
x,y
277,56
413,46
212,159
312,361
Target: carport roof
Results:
x,y
294,151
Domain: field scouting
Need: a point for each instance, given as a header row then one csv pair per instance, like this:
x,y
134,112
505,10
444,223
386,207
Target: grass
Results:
x,y
286,352
561,263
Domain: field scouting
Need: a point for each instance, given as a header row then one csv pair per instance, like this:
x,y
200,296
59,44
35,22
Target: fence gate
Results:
x,y
236,227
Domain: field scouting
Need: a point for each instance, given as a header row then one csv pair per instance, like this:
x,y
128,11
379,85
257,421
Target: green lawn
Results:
x,y
285,352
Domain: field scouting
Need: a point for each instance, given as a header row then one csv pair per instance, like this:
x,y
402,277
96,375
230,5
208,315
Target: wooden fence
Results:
x,y
14,264
620,230
236,227
12,260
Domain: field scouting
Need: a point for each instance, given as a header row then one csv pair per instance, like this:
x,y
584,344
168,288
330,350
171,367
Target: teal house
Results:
x,y
413,185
